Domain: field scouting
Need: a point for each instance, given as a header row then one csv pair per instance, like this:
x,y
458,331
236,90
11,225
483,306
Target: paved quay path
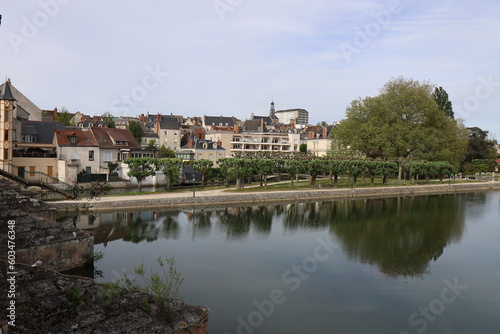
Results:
x,y
224,198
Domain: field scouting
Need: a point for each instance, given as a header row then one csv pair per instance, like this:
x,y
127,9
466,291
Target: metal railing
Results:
x,y
38,178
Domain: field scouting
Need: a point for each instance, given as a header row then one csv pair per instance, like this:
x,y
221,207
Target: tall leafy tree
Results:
x,y
108,120
141,168
64,116
165,152
136,130
403,122
479,146
443,102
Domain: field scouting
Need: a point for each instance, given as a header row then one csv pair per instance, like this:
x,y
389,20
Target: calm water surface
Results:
x,y
401,265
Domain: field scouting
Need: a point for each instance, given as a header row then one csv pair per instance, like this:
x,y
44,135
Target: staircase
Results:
x,y
39,179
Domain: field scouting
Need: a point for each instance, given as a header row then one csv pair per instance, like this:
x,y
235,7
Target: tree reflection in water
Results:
x,y
398,235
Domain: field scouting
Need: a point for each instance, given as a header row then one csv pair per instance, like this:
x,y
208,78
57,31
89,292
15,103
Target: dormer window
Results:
x,y
205,145
215,146
72,140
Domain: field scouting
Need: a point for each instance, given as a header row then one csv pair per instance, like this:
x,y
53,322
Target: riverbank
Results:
x,y
223,197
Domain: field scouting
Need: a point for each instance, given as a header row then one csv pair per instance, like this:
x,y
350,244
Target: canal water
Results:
x,y
427,264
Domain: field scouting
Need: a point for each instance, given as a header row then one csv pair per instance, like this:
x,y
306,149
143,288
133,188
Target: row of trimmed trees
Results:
x,y
240,169
141,168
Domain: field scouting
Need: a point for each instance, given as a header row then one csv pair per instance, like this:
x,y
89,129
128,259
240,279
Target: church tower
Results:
x,y
6,129
272,111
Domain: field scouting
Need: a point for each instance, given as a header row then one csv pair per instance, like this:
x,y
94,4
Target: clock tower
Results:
x,y
6,114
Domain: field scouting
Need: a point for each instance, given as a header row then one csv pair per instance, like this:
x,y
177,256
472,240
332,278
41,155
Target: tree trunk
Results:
x,y
139,185
384,179
313,180
335,180
291,179
168,183
238,184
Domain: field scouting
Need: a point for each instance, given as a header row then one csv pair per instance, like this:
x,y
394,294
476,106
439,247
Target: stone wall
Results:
x,y
234,198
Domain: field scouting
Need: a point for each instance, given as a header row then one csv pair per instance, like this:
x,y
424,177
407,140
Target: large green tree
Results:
x,y
108,120
165,152
403,122
479,146
64,116
443,102
136,130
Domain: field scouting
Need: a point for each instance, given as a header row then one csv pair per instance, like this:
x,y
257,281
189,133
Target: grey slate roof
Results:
x,y
199,145
169,122
217,120
6,93
43,130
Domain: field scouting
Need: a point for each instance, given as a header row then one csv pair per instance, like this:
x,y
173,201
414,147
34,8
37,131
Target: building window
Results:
x,y
107,156
72,140
6,137
91,155
210,157
164,132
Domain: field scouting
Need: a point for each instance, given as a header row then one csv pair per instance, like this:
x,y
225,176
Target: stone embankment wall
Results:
x,y
233,198
38,239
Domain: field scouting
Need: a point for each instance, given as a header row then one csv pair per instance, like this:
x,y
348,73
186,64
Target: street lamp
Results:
x,y
194,182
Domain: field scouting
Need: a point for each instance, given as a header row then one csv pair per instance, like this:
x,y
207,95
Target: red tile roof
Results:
x,y
110,138
83,138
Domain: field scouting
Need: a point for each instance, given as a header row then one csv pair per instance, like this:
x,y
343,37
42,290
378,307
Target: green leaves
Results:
x,y
141,168
403,121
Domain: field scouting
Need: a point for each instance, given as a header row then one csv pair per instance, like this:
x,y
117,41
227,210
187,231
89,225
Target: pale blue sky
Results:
x,y
231,57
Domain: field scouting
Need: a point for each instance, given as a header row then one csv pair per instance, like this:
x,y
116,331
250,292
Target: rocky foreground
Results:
x,y
38,299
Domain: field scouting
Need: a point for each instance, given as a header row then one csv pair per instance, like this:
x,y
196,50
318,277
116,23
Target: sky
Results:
x,y
233,57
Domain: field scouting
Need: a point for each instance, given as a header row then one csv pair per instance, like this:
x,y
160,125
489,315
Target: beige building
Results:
x,y
256,141
198,149
318,142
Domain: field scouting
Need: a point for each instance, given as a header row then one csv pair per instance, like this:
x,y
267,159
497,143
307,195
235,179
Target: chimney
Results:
x,y
311,134
262,124
325,132
236,128
191,141
158,121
